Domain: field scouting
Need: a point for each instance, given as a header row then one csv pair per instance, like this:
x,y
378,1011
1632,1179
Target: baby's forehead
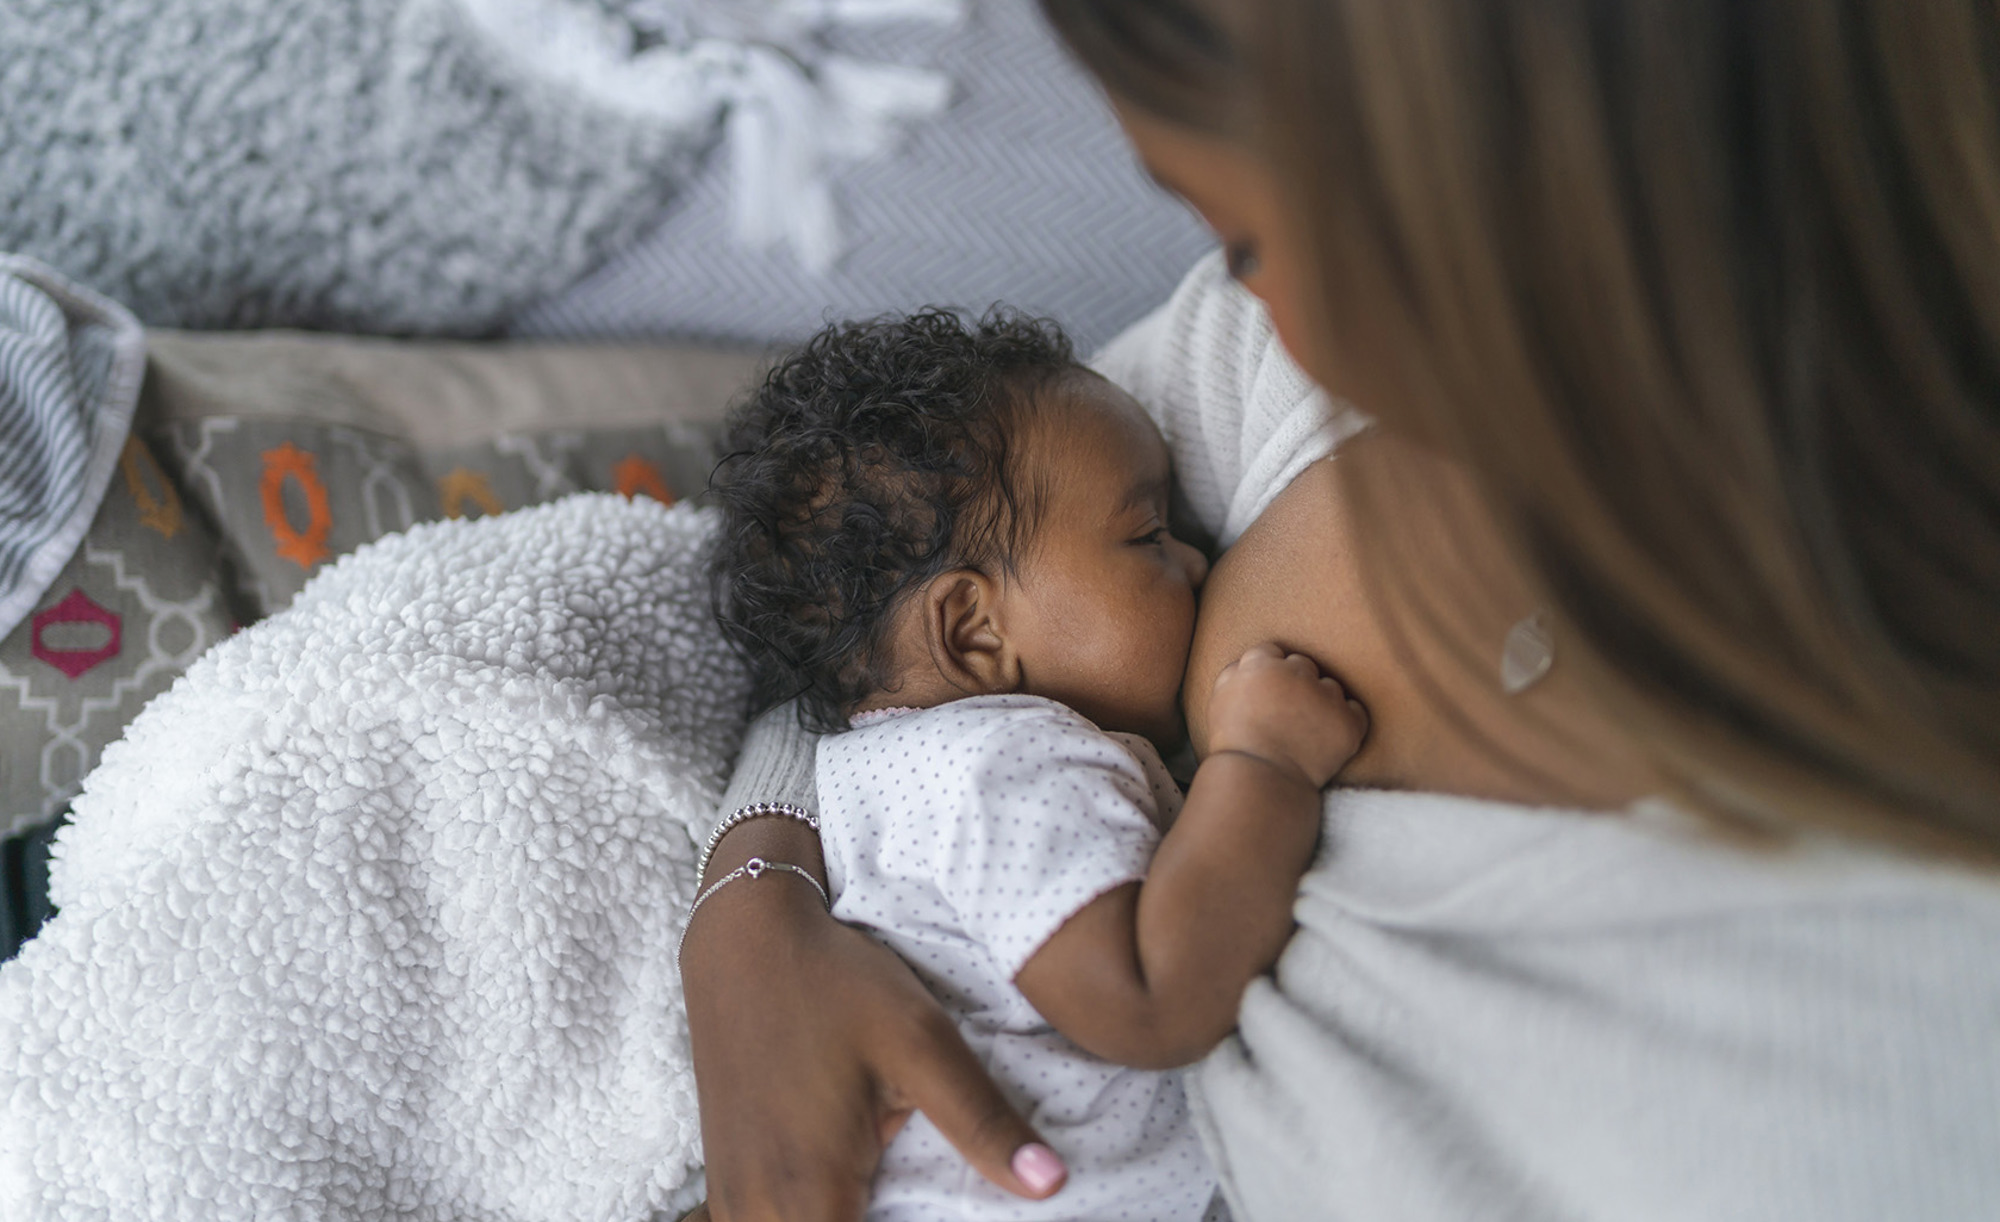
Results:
x,y
1083,419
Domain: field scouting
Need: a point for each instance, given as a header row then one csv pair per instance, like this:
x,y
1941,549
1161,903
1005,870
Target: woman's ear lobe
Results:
x,y
968,638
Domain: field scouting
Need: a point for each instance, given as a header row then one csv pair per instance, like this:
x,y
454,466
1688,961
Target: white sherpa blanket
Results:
x,y
373,914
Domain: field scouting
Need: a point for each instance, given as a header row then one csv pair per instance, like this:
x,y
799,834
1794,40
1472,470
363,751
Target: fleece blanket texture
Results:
x,y
414,166
372,915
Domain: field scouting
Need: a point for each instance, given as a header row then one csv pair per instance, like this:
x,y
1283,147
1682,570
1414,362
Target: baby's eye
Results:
x,y
1156,537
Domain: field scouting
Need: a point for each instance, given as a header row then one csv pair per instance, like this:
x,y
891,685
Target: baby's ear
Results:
x,y
968,635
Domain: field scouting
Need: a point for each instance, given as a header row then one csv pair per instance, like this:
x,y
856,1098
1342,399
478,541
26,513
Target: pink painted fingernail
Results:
x,y
1038,1167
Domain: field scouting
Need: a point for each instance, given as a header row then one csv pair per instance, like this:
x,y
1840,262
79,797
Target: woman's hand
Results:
x,y
813,1043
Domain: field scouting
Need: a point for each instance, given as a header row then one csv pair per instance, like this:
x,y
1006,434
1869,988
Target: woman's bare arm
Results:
x,y
812,1045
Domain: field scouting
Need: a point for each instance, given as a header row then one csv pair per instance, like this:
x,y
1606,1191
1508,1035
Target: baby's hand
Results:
x,y
1278,707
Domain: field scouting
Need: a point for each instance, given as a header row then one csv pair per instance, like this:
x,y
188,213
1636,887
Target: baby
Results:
x,y
949,542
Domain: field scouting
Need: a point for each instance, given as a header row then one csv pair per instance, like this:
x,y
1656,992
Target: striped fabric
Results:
x,y
70,366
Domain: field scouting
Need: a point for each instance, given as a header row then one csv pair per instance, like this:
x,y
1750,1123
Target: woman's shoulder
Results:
x,y
1239,416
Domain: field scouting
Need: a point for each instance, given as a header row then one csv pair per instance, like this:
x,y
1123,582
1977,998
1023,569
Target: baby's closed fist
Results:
x,y
1279,707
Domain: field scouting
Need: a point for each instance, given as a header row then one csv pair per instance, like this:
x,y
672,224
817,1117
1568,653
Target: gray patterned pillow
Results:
x,y
140,600
256,459
290,495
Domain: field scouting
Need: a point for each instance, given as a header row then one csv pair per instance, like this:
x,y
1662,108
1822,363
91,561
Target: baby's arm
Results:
x,y
1150,974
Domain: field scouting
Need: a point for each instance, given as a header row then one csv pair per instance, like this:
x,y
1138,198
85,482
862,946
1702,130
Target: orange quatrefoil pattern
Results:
x,y
633,475
462,484
303,547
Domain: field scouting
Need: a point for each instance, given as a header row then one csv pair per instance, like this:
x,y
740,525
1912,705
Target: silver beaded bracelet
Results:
x,y
742,815
754,868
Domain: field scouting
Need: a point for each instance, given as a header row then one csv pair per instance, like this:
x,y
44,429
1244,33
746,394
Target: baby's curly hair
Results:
x,y
869,461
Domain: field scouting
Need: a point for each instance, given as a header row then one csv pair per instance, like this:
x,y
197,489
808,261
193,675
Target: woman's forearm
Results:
x,y
774,839
812,1041
775,764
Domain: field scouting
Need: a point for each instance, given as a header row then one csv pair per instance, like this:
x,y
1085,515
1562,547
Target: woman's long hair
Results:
x,y
1706,293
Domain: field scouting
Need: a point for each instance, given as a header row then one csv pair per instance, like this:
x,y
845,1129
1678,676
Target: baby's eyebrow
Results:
x,y
1149,492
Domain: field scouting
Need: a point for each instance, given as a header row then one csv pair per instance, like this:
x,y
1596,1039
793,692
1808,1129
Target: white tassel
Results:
x,y
793,110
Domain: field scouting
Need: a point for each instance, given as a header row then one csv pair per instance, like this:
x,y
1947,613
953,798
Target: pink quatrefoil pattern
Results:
x,y
77,611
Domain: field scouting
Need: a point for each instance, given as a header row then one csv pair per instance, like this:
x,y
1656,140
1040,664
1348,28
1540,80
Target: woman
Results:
x,y
1681,323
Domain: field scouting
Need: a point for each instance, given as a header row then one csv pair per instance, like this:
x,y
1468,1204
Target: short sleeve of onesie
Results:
x,y
1009,812
1057,815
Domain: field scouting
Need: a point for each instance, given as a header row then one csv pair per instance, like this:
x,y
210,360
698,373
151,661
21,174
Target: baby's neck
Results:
x,y
904,699
908,691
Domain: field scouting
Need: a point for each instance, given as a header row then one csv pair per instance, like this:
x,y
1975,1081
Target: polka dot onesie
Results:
x,y
963,836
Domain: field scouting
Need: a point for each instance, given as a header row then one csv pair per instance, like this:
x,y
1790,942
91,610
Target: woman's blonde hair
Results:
x,y
1706,293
